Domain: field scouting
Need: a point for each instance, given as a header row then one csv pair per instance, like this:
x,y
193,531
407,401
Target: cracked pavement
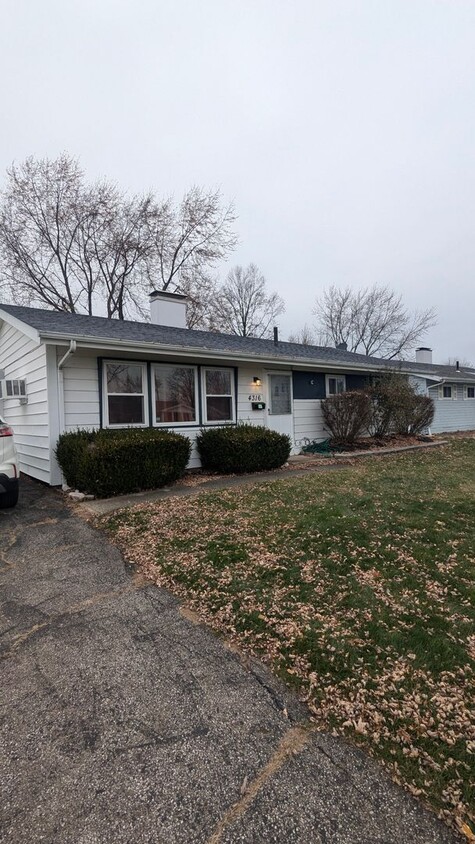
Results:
x,y
122,720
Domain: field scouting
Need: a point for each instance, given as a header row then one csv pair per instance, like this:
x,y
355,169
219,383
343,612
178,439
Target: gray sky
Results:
x,y
344,131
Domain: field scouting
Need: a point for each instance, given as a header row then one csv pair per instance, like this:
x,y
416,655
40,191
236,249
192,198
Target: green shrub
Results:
x,y
242,448
70,451
113,462
347,415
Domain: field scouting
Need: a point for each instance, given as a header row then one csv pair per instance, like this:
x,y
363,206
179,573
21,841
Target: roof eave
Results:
x,y
105,343
25,329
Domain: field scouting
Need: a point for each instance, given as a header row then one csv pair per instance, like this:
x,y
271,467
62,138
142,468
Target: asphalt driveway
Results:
x,y
122,720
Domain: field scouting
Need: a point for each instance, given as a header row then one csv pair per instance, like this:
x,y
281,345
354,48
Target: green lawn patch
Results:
x,y
358,588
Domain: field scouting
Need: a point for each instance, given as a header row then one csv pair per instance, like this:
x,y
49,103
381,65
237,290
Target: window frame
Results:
x,y
466,388
453,392
155,424
328,378
205,396
106,394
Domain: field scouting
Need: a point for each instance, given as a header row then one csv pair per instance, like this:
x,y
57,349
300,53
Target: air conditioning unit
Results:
x,y
14,388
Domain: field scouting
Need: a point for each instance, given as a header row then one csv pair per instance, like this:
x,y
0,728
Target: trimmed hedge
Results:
x,y
242,448
114,462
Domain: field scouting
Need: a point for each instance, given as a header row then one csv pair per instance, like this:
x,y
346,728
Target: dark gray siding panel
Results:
x,y
355,381
311,385
308,385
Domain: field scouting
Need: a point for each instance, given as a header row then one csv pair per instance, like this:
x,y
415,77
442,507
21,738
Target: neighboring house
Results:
x,y
68,371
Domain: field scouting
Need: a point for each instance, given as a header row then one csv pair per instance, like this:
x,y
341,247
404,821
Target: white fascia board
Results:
x,y
426,377
458,378
447,380
107,345
25,329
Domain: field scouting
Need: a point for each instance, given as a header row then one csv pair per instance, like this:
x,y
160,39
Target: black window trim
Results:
x,y
102,359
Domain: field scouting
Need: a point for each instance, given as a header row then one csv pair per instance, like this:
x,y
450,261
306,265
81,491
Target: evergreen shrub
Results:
x,y
242,448
113,462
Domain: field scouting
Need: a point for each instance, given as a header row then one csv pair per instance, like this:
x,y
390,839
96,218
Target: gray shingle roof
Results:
x,y
70,326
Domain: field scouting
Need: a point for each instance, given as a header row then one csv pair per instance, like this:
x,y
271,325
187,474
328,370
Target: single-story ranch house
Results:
x,y
65,371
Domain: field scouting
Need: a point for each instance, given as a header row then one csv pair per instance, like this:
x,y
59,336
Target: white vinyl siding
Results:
x,y
246,390
418,384
22,357
308,422
452,414
81,390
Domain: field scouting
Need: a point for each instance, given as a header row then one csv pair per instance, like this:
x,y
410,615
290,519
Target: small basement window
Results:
x,y
335,384
218,395
125,394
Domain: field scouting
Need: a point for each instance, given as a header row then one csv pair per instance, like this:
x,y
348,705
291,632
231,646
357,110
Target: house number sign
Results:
x,y
255,397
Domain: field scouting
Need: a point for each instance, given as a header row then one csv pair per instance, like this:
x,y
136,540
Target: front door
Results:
x,y
279,416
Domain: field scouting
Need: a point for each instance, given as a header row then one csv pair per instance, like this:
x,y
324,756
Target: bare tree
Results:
x,y
80,248
191,238
201,290
118,245
305,336
243,306
43,209
372,321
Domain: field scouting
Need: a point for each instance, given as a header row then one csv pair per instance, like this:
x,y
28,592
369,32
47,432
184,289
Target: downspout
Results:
x,y
71,350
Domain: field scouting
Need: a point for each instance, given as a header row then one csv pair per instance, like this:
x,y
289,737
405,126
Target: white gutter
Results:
x,y
71,350
106,343
198,352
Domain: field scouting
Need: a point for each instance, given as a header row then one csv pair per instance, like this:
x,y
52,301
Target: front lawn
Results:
x,y
357,586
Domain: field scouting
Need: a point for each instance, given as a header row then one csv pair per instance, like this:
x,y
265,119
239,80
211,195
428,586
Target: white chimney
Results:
x,y
168,308
424,355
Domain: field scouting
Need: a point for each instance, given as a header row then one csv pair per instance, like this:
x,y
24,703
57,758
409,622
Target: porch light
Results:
x,y
256,381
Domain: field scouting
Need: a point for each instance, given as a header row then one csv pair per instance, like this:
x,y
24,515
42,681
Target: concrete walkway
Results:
x,y
123,721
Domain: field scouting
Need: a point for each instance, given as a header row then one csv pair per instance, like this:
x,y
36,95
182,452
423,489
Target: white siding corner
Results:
x,y
23,357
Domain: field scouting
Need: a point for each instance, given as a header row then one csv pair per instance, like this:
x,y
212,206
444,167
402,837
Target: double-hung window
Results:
x,y
335,384
125,388
218,395
175,400
469,392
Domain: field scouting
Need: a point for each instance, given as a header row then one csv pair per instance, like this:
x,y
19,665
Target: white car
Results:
x,y
9,467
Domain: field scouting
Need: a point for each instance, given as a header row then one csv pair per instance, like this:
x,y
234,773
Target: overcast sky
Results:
x,y
343,131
